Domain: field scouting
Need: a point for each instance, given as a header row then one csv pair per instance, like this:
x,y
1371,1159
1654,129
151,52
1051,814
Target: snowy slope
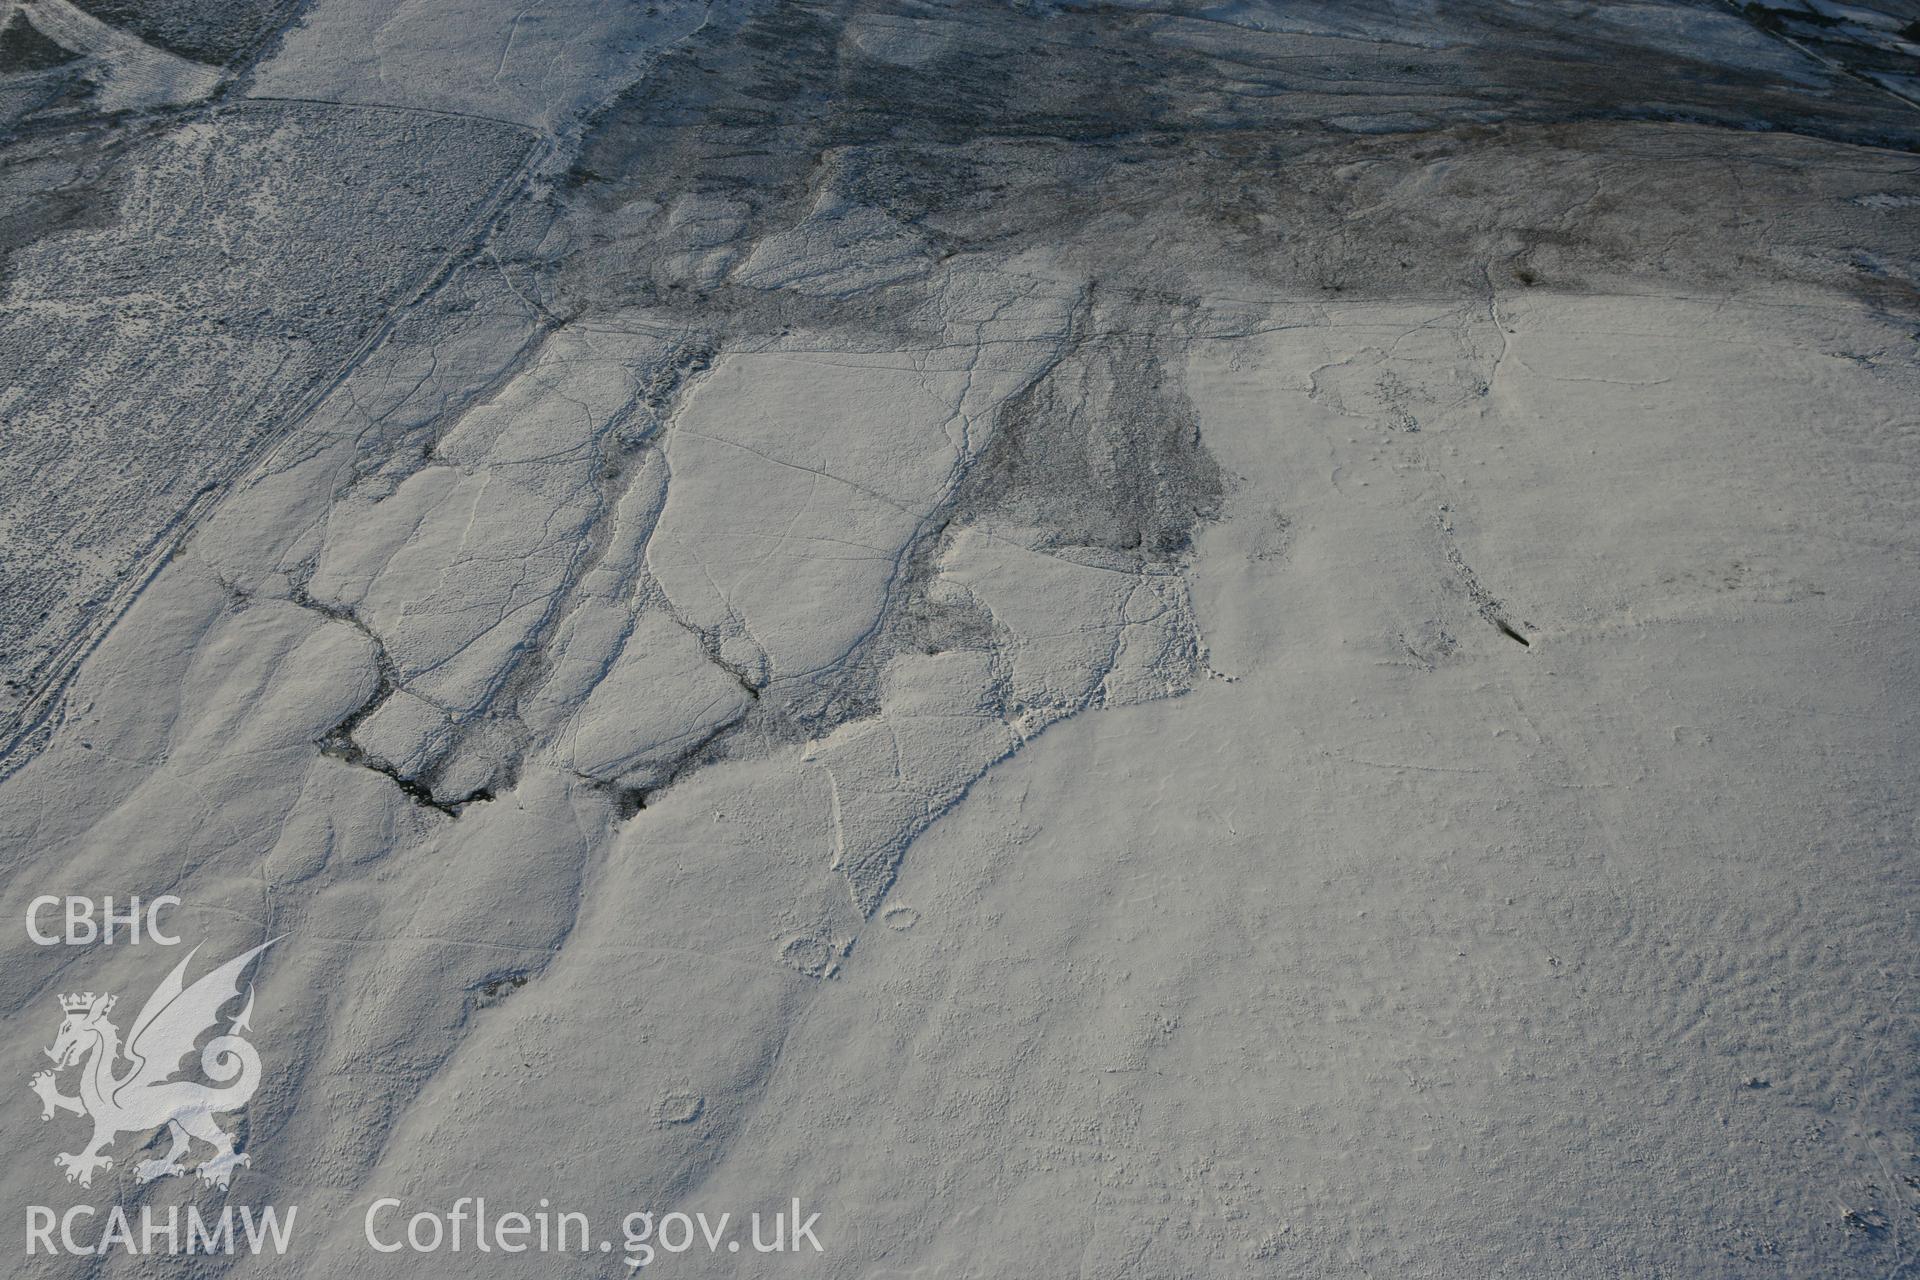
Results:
x,y
1103,639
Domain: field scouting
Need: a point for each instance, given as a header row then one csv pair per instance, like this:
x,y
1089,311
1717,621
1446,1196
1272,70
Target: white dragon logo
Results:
x,y
146,1097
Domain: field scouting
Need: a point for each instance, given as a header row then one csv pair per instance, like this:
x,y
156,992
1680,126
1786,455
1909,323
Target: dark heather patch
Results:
x,y
24,48
1104,451
215,32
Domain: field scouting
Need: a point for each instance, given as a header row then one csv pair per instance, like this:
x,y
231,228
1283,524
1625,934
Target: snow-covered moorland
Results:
x,y
1105,639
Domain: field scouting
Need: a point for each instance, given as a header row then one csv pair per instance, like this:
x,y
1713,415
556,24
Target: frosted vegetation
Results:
x,y
1219,639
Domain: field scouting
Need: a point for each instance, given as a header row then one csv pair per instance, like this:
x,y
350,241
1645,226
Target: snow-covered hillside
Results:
x,y
1103,639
